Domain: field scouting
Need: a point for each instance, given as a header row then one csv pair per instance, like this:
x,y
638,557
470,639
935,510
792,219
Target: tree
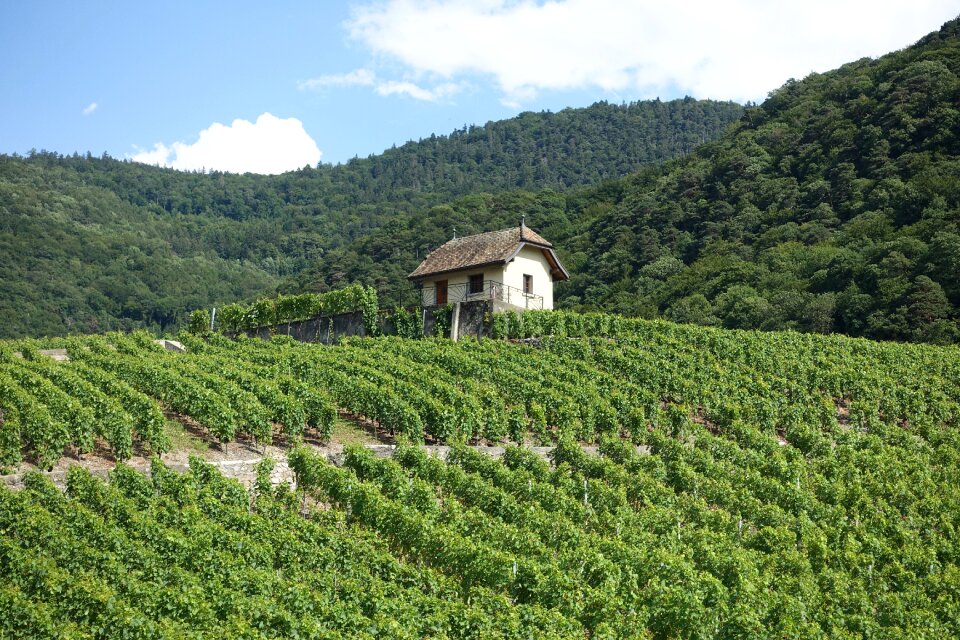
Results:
x,y
695,309
926,303
742,307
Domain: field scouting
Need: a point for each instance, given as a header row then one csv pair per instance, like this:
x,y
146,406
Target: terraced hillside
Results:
x,y
748,485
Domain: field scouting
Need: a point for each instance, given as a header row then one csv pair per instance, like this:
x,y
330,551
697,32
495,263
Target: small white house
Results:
x,y
515,267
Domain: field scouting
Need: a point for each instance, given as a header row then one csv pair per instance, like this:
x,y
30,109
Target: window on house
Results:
x,y
476,283
527,283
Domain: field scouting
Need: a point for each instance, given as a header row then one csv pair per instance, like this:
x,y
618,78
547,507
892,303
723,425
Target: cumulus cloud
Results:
x,y
739,49
270,145
367,78
90,108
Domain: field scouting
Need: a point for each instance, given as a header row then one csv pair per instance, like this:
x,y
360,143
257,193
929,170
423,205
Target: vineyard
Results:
x,y
290,308
747,485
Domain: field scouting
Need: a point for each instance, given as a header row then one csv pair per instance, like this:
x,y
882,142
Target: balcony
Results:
x,y
491,290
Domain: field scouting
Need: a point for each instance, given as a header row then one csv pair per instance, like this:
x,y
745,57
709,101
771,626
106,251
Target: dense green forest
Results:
x,y
832,207
88,244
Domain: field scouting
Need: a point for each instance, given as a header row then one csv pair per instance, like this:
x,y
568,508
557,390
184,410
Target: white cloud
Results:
x,y
395,87
358,77
739,49
270,145
367,78
159,155
90,108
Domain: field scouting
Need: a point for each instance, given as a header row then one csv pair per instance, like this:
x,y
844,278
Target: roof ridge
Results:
x,y
485,248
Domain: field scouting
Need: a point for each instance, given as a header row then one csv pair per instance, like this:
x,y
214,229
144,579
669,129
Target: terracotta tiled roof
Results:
x,y
483,249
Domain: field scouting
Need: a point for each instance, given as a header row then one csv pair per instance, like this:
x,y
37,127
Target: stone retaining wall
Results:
x,y
471,319
245,470
322,329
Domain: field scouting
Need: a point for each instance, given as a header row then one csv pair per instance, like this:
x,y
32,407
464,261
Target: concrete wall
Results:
x,y
472,319
324,329
429,322
470,323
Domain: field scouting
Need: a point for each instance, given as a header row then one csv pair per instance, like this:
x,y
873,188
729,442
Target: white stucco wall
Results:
x,y
457,284
530,261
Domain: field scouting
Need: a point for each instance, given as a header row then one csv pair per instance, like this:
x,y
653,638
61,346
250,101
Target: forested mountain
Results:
x,y
832,207
550,150
88,243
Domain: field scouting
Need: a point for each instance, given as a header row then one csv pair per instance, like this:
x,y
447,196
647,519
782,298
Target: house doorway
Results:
x,y
441,292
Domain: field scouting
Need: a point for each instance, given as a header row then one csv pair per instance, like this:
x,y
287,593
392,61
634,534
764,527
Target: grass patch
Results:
x,y
347,432
182,440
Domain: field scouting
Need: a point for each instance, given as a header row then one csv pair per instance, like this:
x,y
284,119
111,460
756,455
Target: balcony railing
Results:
x,y
491,290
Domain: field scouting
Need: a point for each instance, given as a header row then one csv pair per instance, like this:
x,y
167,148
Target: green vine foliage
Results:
x,y
408,324
364,299
744,485
500,328
231,318
292,308
199,322
536,324
443,319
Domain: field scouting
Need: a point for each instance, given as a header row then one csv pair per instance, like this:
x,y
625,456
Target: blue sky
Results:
x,y
267,87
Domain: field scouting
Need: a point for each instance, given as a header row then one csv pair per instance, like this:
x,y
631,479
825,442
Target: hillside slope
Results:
x,y
832,206
88,244
751,485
